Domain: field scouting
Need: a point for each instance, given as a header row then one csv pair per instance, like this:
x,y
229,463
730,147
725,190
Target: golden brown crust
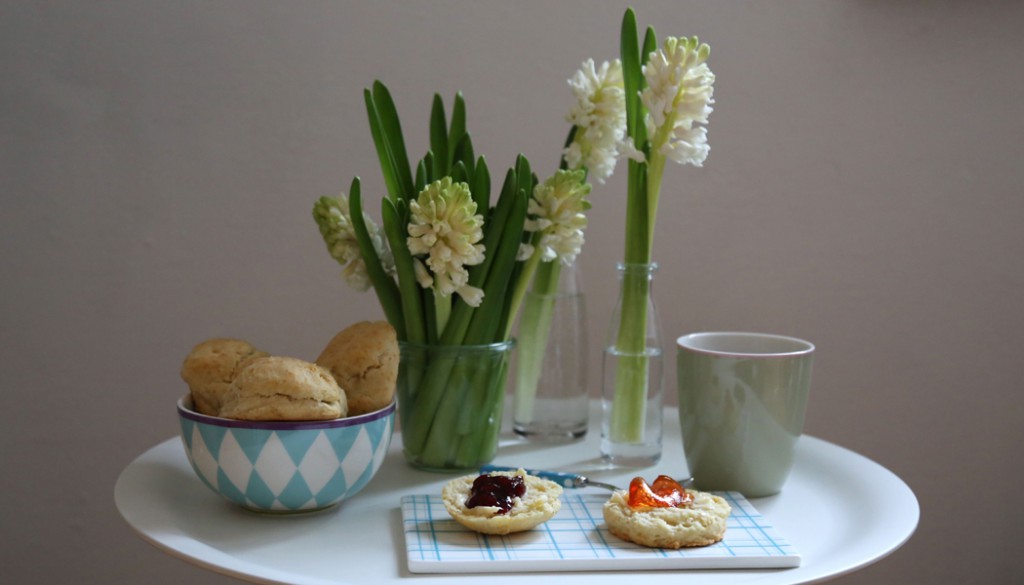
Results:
x,y
363,358
701,524
210,368
283,388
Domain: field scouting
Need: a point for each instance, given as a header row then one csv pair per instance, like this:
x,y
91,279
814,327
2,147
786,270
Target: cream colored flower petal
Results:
x,y
678,98
599,115
471,295
556,209
422,274
524,253
445,228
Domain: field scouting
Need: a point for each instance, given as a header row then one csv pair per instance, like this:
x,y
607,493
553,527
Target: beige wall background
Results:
x,y
159,160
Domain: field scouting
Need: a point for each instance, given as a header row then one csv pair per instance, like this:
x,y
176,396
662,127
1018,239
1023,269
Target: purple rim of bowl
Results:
x,y
185,410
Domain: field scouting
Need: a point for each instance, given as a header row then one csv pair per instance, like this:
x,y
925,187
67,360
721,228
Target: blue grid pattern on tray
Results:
x,y
577,539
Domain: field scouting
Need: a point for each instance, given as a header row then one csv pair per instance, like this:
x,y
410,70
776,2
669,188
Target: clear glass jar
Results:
x,y
450,400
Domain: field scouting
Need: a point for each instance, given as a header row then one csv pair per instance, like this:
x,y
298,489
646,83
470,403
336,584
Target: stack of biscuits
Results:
x,y
354,374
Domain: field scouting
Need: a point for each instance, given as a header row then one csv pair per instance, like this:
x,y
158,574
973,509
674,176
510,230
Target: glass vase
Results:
x,y
631,427
550,400
450,400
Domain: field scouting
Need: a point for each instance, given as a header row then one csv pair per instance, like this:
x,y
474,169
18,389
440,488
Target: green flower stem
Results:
x,y
643,184
442,438
428,393
481,442
655,169
442,309
489,442
468,382
534,329
631,374
522,283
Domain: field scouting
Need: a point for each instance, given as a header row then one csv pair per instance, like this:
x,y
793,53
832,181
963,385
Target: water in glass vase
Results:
x,y
632,446
551,388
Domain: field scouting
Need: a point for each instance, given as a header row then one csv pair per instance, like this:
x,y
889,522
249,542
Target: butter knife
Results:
x,y
567,480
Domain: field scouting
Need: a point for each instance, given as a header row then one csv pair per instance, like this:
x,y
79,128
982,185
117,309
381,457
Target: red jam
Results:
x,y
665,492
498,491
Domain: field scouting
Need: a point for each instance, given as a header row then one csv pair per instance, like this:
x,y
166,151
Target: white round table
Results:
x,y
840,510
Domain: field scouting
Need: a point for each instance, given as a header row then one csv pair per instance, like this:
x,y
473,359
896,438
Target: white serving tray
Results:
x,y
576,539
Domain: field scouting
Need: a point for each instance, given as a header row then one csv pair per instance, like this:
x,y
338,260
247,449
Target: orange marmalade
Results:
x,y
665,492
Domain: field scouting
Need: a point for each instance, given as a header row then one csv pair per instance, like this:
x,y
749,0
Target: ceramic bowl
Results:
x,y
285,467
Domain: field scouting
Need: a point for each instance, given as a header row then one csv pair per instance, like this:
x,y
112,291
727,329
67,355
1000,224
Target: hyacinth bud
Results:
x,y
332,217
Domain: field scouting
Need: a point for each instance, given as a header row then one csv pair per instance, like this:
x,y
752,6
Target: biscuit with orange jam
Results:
x,y
698,524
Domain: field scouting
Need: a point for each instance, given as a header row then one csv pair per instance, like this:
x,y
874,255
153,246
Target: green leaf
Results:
x,y
632,74
459,173
464,151
489,321
481,187
496,225
392,129
383,285
439,139
411,299
428,161
525,178
421,176
650,45
458,127
387,162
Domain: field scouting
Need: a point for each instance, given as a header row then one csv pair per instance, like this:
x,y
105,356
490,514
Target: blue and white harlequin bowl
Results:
x,y
285,467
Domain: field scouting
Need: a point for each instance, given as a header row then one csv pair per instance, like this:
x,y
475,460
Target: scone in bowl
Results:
x,y
285,467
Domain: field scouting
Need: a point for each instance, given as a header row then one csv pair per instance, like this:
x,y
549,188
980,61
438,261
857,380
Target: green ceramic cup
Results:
x,y
742,400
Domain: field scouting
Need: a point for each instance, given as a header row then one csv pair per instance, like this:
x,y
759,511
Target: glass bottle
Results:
x,y
631,427
551,392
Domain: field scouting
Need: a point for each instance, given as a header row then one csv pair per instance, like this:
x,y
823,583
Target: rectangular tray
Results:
x,y
576,539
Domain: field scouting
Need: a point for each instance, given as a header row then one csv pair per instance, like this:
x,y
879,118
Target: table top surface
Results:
x,y
840,510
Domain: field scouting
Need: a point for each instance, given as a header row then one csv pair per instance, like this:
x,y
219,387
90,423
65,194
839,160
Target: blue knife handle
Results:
x,y
567,480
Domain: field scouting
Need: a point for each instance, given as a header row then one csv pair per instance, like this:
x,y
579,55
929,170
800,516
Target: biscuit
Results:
x,y
283,388
363,358
539,503
699,524
210,368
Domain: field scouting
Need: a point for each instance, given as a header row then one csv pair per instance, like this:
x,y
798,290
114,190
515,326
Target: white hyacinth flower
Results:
x,y
599,115
556,210
445,227
335,223
678,97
